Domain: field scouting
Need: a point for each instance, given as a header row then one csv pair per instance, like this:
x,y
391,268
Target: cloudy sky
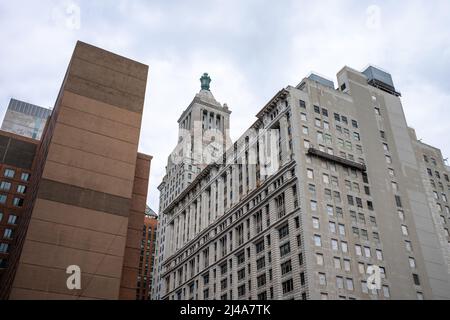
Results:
x,y
250,48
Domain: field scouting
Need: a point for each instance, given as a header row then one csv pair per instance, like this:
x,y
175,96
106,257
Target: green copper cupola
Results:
x,y
205,80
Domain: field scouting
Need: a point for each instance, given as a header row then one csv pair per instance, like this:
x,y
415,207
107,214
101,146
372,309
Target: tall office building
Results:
x,y
25,119
325,184
86,200
17,155
203,136
147,256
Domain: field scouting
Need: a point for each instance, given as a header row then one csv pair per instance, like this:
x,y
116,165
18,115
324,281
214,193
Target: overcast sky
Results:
x,y
251,49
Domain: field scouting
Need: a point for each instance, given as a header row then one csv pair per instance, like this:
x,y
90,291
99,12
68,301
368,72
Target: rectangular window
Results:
x,y
259,246
322,279
288,286
286,267
283,231
12,219
6,186
9,173
285,249
317,241
319,259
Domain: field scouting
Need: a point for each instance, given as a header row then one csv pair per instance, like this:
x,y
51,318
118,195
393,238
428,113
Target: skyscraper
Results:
x,y
25,119
325,187
86,200
203,136
17,159
147,256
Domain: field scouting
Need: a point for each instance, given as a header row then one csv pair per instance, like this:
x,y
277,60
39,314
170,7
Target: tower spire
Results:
x,y
205,80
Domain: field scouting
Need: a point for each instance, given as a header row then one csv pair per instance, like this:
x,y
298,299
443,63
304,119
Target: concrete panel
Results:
x,y
93,123
79,217
95,143
101,109
88,179
75,238
85,198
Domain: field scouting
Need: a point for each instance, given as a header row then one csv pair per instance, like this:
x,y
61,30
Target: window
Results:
x,y
344,246
412,262
9,173
21,189
12,219
408,246
349,284
18,202
356,136
303,116
337,117
261,280
332,227
6,186
337,263
283,231
260,263
2,198
317,109
404,230
398,201
334,245
322,279
310,173
317,241
312,189
305,130
25,176
241,290
386,292
7,234
285,249
319,259
416,279
287,286
379,254
347,265
286,267
382,134
241,258
419,296
324,112
326,178
341,229
388,159
313,205
302,104
316,224
4,247
259,246
358,250
350,200
330,210
367,252
241,274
